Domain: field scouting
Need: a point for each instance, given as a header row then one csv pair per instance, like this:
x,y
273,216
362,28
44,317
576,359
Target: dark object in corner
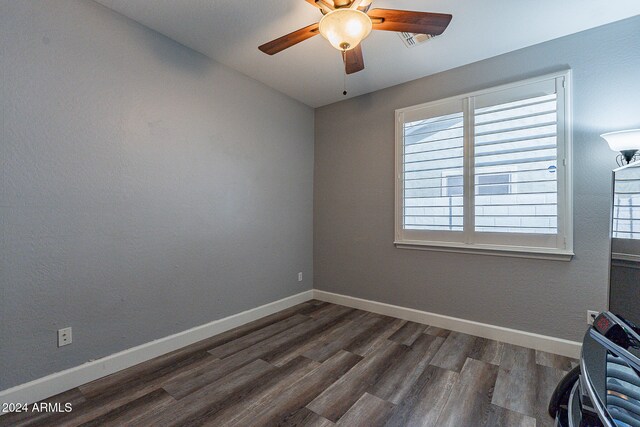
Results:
x,y
603,389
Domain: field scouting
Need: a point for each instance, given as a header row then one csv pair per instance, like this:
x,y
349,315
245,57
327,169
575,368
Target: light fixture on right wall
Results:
x,y
626,142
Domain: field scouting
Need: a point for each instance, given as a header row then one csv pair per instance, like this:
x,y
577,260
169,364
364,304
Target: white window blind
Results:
x,y
433,165
626,203
518,140
487,170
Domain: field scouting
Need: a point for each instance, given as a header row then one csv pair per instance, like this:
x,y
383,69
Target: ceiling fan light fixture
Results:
x,y
345,28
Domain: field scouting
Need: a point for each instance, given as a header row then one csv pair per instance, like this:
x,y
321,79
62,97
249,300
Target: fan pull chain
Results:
x,y
344,86
344,77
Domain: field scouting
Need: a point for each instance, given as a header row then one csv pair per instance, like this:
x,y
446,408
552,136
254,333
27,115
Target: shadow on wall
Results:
x,y
267,27
180,58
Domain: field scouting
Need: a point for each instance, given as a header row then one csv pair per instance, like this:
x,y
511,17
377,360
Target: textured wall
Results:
x,y
354,193
145,189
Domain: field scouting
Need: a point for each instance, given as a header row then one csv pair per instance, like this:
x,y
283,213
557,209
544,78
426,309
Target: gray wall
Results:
x,y
354,193
145,189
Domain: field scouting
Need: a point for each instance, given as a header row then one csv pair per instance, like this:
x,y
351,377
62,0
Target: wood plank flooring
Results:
x,y
320,364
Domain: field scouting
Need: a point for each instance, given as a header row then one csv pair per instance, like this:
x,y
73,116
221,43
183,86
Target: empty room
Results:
x,y
320,212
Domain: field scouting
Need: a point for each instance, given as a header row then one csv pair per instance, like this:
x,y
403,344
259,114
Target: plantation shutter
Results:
x,y
515,163
626,203
432,170
488,170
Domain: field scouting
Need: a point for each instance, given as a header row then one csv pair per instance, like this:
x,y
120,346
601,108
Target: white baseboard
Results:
x,y
65,380
498,333
59,382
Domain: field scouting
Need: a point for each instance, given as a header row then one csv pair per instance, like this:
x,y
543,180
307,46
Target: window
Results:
x,y
488,171
494,184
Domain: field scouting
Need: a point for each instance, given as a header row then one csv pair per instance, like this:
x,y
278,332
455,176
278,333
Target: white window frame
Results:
x,y
523,246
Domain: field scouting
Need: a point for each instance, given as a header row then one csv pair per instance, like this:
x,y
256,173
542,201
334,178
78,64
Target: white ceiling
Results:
x,y
230,32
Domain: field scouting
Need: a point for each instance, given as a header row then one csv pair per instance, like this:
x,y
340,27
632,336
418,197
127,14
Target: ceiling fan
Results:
x,y
345,23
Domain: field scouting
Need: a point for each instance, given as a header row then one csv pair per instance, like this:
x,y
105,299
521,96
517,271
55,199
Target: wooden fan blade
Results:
x,y
409,22
280,44
353,60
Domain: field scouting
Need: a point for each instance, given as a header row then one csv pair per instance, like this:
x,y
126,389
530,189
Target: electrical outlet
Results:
x,y
299,277
64,336
591,316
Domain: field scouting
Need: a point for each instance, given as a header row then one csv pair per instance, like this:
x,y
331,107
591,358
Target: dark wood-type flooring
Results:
x,y
320,364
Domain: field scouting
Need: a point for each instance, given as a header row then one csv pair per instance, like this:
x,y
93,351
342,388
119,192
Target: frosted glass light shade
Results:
x,y
345,28
624,140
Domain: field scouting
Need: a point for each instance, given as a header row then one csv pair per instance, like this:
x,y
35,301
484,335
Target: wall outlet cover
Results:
x,y
64,336
591,316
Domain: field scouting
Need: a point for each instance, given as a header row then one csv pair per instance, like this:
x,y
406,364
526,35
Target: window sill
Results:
x,y
495,250
625,257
